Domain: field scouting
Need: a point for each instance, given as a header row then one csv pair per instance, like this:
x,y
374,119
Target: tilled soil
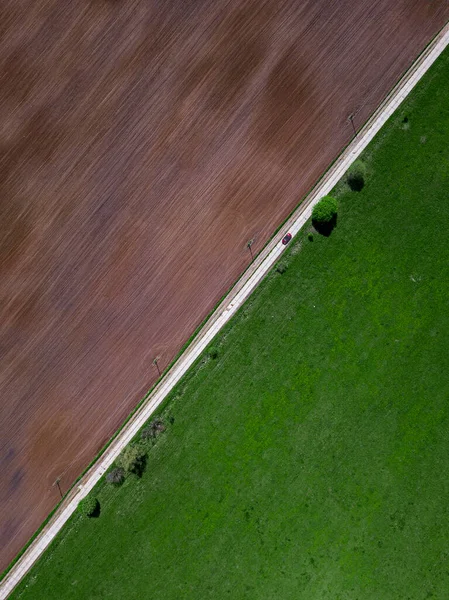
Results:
x,y
142,144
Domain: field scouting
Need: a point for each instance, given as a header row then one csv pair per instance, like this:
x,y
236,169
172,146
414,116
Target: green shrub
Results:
x,y
356,176
89,506
152,430
133,459
116,476
213,353
281,267
325,210
310,237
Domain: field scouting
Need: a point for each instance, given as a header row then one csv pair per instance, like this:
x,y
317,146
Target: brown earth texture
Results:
x,y
142,144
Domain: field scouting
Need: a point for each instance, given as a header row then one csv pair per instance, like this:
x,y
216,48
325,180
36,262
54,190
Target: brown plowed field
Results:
x,y
142,144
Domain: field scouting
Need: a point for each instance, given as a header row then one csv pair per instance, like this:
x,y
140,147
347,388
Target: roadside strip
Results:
x,y
226,309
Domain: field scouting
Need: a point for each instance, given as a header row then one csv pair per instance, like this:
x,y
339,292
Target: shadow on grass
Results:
x,y
356,182
140,466
96,512
325,228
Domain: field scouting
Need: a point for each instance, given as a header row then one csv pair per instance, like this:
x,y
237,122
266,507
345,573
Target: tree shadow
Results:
x,y
356,182
96,512
325,228
140,466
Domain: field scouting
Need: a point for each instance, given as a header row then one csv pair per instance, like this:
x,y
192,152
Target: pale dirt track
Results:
x,y
263,263
140,148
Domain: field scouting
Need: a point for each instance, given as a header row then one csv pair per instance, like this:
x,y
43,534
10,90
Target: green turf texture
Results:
x,y
310,459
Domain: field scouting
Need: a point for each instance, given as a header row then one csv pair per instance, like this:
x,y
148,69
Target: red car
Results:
x,y
286,238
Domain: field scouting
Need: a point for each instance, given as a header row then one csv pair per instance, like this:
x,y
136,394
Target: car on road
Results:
x,y
286,238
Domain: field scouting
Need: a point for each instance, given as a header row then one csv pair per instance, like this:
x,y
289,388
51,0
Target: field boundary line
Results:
x,y
240,292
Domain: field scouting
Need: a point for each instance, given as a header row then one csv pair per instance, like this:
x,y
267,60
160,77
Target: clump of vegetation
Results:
x,y
213,353
356,175
133,459
324,215
325,210
89,506
310,236
281,267
153,429
405,123
116,476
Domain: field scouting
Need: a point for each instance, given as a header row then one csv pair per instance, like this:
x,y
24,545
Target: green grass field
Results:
x,y
310,459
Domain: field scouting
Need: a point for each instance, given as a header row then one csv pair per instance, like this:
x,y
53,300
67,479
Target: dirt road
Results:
x,y
140,149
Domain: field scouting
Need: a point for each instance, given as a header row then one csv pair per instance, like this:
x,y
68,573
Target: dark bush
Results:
x,y
151,431
310,237
213,353
133,459
89,506
356,176
281,267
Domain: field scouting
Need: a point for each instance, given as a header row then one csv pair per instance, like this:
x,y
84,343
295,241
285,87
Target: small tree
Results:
x,y
116,476
324,215
356,176
152,430
133,459
213,353
325,211
89,506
